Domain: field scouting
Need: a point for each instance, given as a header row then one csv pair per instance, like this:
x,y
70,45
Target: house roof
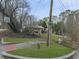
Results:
x,y
38,27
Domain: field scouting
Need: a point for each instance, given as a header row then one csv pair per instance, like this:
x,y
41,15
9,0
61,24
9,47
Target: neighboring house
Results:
x,y
54,19
63,16
38,29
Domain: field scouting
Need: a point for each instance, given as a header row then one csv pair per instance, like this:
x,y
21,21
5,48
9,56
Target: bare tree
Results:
x,y
72,27
10,8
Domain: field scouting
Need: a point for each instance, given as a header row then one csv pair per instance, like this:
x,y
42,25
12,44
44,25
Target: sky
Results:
x,y
40,8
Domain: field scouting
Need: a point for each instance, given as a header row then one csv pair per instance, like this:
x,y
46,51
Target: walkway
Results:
x,y
76,56
10,47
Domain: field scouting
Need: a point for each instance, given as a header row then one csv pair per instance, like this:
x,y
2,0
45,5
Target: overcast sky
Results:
x,y
40,8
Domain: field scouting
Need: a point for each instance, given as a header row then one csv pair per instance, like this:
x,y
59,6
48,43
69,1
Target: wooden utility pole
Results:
x,y
49,24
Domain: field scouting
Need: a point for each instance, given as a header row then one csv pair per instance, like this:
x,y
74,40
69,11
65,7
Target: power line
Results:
x,y
60,5
63,6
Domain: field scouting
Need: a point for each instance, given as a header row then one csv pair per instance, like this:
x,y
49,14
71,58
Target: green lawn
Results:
x,y
17,40
54,37
55,50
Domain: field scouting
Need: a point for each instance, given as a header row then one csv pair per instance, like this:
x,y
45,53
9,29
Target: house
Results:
x,y
37,29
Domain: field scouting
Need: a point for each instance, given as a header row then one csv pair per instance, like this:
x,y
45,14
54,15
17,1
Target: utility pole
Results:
x,y
49,24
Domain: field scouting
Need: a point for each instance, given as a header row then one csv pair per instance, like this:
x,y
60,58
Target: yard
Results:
x,y
54,37
18,40
55,50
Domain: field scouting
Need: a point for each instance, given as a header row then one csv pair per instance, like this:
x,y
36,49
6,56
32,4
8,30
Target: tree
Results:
x,y
63,17
29,23
10,8
44,23
64,14
58,27
72,27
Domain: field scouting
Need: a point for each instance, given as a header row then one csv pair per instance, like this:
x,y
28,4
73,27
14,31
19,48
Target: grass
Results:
x,y
54,37
14,40
17,40
55,50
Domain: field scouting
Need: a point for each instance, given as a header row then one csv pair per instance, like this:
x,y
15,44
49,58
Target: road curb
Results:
x,y
20,57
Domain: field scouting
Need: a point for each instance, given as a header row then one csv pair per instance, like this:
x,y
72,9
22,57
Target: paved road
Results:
x,y
1,57
21,45
76,56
